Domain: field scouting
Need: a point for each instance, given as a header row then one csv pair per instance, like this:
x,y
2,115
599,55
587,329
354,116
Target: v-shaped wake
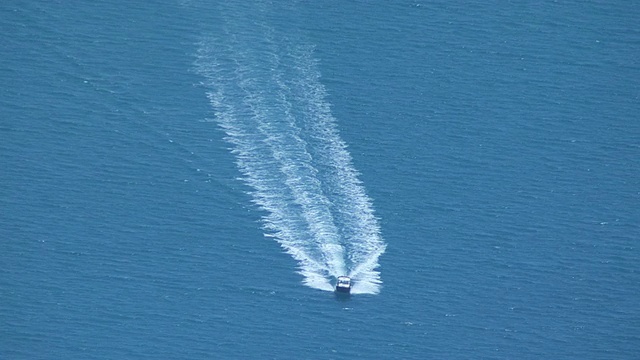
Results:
x,y
268,98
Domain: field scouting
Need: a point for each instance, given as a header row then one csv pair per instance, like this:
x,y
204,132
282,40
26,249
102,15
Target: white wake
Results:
x,y
267,97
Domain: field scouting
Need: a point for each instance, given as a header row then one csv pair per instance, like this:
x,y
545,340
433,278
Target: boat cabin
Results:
x,y
343,284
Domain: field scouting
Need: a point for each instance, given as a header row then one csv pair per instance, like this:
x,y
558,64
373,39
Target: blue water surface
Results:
x,y
499,143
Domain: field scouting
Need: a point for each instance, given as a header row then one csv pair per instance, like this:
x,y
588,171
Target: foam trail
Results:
x,y
267,97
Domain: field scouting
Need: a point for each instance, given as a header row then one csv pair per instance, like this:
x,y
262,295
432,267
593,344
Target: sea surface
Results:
x,y
185,179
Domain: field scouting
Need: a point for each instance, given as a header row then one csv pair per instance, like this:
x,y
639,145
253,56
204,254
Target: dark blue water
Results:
x,y
498,144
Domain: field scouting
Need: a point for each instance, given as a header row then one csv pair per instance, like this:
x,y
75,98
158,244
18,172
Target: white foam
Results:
x,y
268,99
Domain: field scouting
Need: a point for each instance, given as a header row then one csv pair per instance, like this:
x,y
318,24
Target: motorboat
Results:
x,y
343,285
